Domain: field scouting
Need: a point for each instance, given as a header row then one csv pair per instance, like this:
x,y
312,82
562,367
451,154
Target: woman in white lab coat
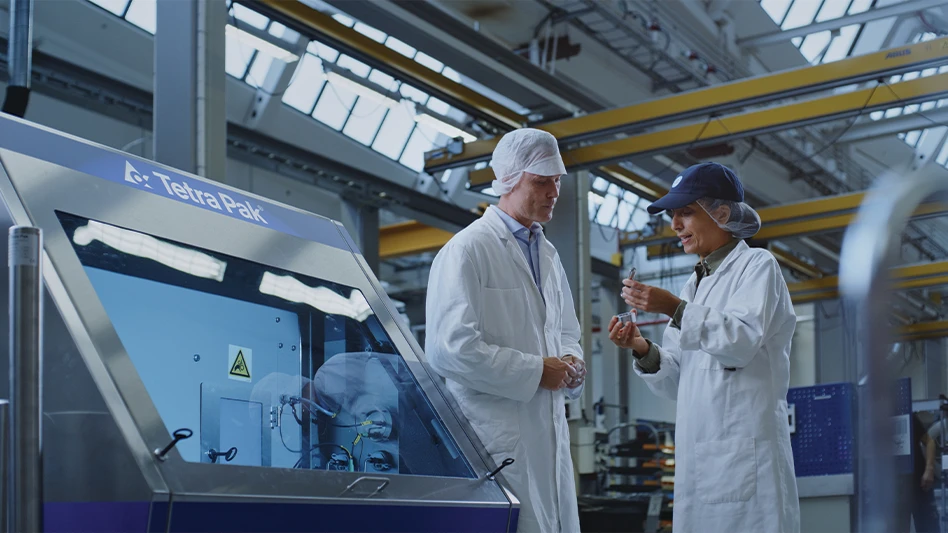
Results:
x,y
725,359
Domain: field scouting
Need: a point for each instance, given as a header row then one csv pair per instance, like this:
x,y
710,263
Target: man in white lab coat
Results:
x,y
502,330
725,359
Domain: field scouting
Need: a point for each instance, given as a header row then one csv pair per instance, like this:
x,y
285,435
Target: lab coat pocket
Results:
x,y
726,470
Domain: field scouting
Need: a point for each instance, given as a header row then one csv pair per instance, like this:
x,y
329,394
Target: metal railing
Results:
x,y
870,248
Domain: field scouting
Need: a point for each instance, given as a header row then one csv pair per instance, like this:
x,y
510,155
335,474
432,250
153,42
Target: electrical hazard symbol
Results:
x,y
239,363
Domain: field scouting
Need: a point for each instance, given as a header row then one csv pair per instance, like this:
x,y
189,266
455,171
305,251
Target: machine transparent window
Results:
x,y
267,367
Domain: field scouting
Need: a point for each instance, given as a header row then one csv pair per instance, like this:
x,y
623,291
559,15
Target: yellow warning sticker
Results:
x,y
239,363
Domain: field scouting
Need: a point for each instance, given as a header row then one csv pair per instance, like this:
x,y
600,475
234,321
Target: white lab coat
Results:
x,y
487,332
733,462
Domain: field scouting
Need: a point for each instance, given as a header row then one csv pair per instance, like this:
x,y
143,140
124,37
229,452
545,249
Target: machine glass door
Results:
x,y
269,368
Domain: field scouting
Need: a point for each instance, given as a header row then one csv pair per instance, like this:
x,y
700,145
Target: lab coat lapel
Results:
x,y
547,253
512,248
516,255
708,282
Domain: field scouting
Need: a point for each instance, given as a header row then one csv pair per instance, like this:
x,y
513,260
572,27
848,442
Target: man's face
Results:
x,y
698,232
534,196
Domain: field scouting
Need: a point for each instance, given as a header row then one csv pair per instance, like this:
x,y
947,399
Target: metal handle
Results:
x,y
26,377
228,456
383,482
507,462
869,249
178,435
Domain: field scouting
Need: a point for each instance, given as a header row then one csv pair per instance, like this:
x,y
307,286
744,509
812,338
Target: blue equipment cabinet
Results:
x,y
823,430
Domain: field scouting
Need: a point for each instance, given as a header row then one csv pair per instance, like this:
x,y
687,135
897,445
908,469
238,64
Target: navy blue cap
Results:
x,y
704,180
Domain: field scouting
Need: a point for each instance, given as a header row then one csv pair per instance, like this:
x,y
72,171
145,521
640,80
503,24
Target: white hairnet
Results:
x,y
525,150
737,218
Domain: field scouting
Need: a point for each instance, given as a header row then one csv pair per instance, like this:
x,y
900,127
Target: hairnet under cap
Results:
x,y
525,150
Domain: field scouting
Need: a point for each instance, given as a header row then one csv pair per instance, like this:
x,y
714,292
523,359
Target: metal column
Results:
x,y
569,232
20,57
615,377
364,221
26,378
190,115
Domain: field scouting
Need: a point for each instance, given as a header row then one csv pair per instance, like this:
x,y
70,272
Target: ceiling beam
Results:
x,y
910,277
308,20
893,10
873,129
719,98
617,174
724,129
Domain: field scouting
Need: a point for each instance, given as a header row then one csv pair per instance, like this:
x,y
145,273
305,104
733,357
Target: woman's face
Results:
x,y
699,233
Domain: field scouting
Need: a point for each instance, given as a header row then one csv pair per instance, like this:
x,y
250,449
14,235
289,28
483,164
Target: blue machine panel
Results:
x,y
823,443
256,517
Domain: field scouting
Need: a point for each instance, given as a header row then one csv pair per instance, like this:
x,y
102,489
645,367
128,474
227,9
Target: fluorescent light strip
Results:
x,y
321,298
444,127
261,45
361,90
138,244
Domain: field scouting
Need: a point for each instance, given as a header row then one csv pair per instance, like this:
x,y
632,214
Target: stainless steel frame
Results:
x,y
870,248
33,190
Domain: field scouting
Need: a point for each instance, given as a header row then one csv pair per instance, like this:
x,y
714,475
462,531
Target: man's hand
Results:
x,y
928,478
627,336
557,373
580,366
648,298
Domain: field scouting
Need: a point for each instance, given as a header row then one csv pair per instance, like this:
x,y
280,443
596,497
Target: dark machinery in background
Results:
x,y
636,480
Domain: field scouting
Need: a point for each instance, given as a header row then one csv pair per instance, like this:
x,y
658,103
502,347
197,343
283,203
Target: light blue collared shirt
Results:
x,y
529,241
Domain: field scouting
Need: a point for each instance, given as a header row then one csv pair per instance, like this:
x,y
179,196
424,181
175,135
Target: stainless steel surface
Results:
x,y
821,486
20,51
4,466
36,189
25,245
869,250
80,408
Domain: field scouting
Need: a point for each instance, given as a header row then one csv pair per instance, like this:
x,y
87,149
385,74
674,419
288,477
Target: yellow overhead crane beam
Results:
x,y
724,97
410,238
796,219
923,330
406,68
904,278
779,215
630,180
716,130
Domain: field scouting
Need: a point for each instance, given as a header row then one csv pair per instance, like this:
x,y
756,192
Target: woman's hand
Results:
x,y
627,336
650,299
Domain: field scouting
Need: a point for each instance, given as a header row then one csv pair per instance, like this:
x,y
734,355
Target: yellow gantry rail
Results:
x,y
716,130
725,97
407,69
923,330
630,180
410,238
904,278
796,219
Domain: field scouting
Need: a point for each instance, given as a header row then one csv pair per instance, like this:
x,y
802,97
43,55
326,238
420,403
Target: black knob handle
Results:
x,y
507,462
228,456
177,436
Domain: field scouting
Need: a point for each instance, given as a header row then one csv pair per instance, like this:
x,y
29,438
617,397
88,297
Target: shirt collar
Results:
x,y
516,227
711,263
